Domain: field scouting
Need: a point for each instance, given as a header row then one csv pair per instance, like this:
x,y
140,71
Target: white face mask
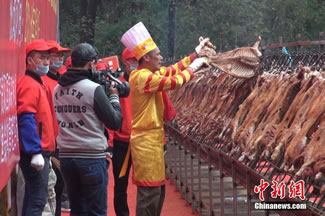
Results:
x,y
133,67
56,65
40,69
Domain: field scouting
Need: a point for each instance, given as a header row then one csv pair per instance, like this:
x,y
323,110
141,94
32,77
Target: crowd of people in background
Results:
x,y
70,127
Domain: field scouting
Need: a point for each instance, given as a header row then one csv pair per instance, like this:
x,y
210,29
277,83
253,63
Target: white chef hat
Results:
x,y
138,40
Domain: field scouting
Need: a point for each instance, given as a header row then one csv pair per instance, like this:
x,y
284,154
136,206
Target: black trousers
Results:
x,y
120,184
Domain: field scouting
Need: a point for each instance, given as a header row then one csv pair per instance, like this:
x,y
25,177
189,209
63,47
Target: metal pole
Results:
x,y
249,196
199,175
210,183
222,191
186,176
180,169
174,163
192,176
234,190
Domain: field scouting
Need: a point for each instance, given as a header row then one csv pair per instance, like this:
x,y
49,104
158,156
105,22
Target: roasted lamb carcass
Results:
x,y
278,111
283,134
287,87
225,105
313,153
254,116
241,62
305,124
214,97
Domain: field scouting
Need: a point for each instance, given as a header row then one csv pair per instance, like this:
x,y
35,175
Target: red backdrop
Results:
x,y
21,21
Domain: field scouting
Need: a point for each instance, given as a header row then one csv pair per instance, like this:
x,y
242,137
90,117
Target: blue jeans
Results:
x,y
35,186
86,181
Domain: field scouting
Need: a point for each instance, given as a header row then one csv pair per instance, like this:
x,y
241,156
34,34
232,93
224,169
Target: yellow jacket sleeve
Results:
x,y
154,82
178,67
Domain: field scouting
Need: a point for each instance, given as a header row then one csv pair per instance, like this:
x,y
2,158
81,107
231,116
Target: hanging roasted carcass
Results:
x,y
207,85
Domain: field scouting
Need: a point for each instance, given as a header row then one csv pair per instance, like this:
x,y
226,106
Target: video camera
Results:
x,y
106,77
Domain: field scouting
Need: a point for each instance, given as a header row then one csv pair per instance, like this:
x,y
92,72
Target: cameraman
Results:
x,y
120,141
82,109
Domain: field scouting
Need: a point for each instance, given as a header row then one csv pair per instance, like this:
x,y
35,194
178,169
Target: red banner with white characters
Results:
x,y
112,62
21,21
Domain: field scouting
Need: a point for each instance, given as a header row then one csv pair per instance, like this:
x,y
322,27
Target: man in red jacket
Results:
x,y
121,139
35,127
51,79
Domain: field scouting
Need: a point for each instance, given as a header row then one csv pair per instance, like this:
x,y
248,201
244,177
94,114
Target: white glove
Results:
x,y
109,152
198,63
202,44
109,155
37,162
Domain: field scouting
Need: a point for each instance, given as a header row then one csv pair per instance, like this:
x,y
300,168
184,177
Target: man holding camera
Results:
x,y
119,142
82,109
149,105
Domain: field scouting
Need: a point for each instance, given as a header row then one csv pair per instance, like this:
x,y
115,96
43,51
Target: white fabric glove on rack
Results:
x,y
201,45
37,162
198,63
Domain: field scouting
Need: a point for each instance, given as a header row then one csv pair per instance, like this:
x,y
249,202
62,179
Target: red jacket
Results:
x,y
32,98
124,133
50,81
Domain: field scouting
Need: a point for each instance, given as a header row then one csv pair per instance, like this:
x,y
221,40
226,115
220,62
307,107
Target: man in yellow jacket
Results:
x,y
148,84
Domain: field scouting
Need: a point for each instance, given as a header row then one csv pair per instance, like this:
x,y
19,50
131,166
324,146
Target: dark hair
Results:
x,y
31,53
141,59
82,54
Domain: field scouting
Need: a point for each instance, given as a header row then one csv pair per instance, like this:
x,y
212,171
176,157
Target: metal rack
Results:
x,y
293,61
190,163
210,176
